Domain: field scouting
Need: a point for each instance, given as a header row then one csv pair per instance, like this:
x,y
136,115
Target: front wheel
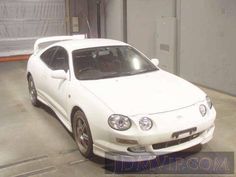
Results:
x,y
32,92
82,134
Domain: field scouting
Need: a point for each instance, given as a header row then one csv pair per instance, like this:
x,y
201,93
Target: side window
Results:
x,y
46,57
60,60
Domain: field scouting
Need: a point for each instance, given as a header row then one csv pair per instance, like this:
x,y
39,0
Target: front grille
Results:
x,y
175,142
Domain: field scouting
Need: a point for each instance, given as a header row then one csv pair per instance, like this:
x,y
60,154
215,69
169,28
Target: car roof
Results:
x,y
76,44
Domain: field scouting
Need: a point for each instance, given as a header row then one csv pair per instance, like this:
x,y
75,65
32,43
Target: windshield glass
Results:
x,y
108,62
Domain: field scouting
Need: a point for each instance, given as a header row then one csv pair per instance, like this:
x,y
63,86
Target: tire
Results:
x,y
82,134
33,92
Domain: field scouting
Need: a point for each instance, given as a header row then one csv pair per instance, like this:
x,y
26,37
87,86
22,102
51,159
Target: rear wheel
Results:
x,y
82,134
32,92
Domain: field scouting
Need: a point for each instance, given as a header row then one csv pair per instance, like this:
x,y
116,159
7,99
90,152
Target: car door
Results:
x,y
57,89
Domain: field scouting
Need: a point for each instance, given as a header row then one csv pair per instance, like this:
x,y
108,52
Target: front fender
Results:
x,y
96,112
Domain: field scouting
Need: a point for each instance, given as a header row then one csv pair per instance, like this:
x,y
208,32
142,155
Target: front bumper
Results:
x,y
115,153
158,141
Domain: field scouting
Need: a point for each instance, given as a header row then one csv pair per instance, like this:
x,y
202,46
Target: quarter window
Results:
x,y
46,57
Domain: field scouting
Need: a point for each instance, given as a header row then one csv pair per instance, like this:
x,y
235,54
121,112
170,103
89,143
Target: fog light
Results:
x,y
137,149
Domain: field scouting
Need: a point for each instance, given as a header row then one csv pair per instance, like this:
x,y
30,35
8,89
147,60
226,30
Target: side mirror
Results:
x,y
155,61
59,74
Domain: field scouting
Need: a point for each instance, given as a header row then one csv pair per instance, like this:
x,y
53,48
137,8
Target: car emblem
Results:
x,y
179,117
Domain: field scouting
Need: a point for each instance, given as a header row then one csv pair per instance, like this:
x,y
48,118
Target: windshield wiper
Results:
x,y
137,72
114,74
118,74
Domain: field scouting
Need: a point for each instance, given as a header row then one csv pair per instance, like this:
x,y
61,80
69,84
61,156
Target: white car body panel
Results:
x,y
139,90
171,102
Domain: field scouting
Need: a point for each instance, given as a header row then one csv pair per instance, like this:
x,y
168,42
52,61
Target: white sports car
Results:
x,y
117,103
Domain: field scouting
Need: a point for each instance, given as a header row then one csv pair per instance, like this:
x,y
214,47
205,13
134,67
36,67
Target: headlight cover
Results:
x,y
209,103
119,122
203,110
145,123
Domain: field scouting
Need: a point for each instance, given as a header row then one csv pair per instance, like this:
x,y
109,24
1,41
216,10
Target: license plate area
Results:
x,y
190,131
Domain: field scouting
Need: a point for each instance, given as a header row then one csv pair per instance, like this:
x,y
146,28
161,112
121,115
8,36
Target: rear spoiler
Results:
x,y
56,39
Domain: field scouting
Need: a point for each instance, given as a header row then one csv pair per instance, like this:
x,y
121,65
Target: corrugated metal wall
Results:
x,y
23,21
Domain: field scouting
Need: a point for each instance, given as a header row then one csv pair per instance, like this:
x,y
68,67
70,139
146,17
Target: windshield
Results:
x,y
108,62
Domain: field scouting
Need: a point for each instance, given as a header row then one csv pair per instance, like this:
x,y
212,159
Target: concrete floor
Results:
x,y
34,143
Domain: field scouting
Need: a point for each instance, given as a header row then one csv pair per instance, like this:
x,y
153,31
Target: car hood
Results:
x,y
149,93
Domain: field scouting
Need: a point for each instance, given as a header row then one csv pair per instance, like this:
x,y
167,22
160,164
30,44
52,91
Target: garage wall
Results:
x,y
23,21
86,11
207,43
142,21
114,19
79,8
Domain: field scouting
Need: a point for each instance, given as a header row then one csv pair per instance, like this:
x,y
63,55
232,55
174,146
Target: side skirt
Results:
x,y
60,116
